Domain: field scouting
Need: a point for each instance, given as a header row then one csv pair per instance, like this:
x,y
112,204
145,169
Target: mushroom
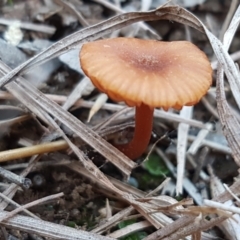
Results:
x,y
147,74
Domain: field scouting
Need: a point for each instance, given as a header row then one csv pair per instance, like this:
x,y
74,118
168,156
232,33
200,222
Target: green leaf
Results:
x,y
135,236
71,224
156,166
125,223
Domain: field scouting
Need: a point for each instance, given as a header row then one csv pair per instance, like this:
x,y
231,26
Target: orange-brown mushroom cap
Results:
x,y
154,73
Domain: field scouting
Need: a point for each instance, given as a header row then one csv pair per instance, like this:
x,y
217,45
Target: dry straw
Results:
x,y
48,111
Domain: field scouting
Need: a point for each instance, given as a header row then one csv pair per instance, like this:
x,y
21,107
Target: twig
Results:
x,y
113,220
182,147
31,204
209,107
30,26
202,134
229,190
5,234
119,10
39,164
201,160
17,205
14,178
123,111
32,150
215,146
235,56
11,190
231,11
71,8
221,206
9,122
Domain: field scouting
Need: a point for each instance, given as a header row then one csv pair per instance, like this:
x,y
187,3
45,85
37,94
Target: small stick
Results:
x,y
30,26
31,204
221,206
72,9
6,123
229,17
7,199
32,150
230,191
14,178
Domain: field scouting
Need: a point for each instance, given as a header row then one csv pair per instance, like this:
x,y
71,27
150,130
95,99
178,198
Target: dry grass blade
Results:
x,y
31,204
196,226
71,8
30,26
231,126
177,118
11,190
113,220
8,200
84,87
117,8
6,123
213,145
21,95
218,205
225,196
196,236
48,229
199,139
225,60
39,104
182,147
230,226
228,18
100,101
29,151
232,194
14,178
178,224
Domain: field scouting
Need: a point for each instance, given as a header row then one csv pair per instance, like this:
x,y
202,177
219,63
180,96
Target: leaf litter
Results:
x,y
59,123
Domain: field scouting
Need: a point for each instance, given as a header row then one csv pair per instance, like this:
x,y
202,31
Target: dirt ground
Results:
x,y
78,186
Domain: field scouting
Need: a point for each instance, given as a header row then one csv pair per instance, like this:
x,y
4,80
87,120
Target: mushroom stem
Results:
x,y
142,134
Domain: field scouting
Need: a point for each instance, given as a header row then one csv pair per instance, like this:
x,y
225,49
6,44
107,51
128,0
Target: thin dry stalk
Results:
x,y
29,205
71,8
29,26
43,108
14,178
47,229
8,200
23,152
11,190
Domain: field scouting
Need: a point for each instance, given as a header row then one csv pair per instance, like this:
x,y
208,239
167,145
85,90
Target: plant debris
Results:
x,y
61,177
